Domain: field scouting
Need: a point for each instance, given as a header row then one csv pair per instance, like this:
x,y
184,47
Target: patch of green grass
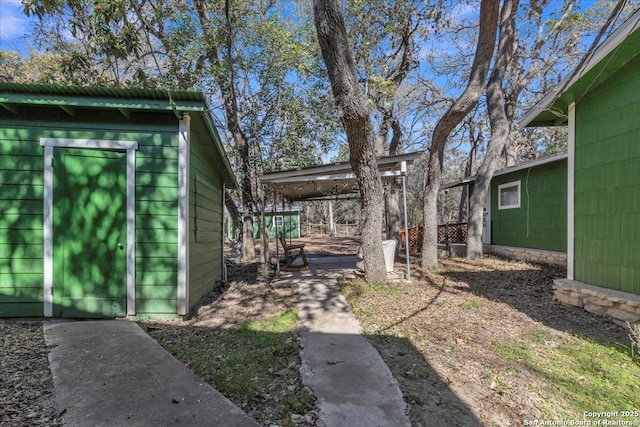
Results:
x,y
255,362
580,374
471,304
359,287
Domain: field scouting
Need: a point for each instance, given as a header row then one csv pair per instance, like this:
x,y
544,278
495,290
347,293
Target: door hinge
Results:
x,y
53,162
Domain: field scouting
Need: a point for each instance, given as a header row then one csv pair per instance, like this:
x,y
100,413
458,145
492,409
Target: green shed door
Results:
x,y
89,233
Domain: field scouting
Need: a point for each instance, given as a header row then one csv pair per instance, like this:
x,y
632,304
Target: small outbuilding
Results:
x,y
600,105
525,215
285,220
111,201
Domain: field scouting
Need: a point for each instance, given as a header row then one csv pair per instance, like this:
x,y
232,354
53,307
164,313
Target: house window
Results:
x,y
509,195
278,221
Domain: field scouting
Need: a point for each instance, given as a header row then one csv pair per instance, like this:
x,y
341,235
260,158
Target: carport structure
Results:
x,y
335,181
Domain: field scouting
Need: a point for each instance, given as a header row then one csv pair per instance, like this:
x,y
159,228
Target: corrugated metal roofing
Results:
x,y
102,91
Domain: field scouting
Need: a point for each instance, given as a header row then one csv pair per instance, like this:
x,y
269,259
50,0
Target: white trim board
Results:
x,y
571,168
49,144
184,136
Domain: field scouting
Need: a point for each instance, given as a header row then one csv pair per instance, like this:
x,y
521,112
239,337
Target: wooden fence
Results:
x,y
447,233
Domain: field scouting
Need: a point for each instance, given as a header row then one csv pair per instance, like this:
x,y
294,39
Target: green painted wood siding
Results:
x,y
21,236
291,224
205,217
541,220
607,183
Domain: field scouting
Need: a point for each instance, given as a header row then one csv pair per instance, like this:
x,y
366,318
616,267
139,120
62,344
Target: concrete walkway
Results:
x,y
353,385
111,373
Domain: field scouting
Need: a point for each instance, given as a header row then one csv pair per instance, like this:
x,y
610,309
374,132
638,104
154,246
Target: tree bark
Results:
x,y
355,110
489,12
223,73
500,127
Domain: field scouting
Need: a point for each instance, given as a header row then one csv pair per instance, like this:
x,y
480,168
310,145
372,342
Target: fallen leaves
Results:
x,y
26,386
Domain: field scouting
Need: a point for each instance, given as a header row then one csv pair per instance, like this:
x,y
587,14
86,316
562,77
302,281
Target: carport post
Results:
x,y
265,252
403,171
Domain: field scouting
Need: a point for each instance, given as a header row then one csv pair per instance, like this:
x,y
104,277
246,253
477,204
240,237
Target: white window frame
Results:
x,y
275,221
509,185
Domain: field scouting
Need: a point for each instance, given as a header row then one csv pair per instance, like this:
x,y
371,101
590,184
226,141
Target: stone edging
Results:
x,y
623,307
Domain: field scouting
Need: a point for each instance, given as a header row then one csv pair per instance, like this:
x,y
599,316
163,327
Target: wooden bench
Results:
x,y
293,252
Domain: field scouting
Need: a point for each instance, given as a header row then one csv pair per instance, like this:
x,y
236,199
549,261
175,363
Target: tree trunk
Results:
x,y
464,195
489,12
223,73
500,128
355,111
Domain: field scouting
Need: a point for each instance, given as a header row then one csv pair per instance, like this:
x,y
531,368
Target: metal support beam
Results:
x,y
403,169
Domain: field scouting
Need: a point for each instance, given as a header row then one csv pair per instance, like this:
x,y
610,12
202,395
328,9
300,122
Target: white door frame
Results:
x,y
486,230
96,144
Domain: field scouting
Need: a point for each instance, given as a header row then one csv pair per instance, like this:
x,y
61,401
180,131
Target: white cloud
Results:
x,y
13,23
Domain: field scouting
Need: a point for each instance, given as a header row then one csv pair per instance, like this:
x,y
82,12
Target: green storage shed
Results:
x,y
111,201
529,205
525,215
600,105
287,221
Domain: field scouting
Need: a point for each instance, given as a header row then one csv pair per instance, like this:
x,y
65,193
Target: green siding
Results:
x,y
607,183
291,225
21,237
21,205
541,220
205,217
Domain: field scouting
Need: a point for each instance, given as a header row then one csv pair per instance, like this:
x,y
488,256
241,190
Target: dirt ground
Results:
x,y
441,333
449,375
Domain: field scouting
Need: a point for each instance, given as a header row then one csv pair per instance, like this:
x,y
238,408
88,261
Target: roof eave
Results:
x,y
558,100
11,99
228,176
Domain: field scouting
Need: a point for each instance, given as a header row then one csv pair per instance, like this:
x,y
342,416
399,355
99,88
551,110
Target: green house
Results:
x,y
600,105
111,201
526,210
285,221
529,207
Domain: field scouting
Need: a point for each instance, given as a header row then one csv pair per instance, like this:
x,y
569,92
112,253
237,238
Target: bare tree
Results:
x,y
501,108
355,112
489,12
500,127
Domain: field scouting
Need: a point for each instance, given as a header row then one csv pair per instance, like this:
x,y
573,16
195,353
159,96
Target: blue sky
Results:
x,y
13,25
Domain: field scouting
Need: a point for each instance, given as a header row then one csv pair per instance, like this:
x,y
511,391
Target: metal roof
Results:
x,y
618,49
526,165
332,180
15,96
100,97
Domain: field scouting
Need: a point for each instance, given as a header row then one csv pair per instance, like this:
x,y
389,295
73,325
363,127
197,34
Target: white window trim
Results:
x,y
275,221
508,185
130,146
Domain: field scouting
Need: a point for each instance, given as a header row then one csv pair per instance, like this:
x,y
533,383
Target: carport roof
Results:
x,y
332,180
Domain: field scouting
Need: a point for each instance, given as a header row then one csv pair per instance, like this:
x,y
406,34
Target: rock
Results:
x,y
298,419
623,315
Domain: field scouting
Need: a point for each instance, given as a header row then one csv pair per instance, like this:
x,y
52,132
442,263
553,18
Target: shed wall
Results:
x,y
205,217
541,220
21,205
607,183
